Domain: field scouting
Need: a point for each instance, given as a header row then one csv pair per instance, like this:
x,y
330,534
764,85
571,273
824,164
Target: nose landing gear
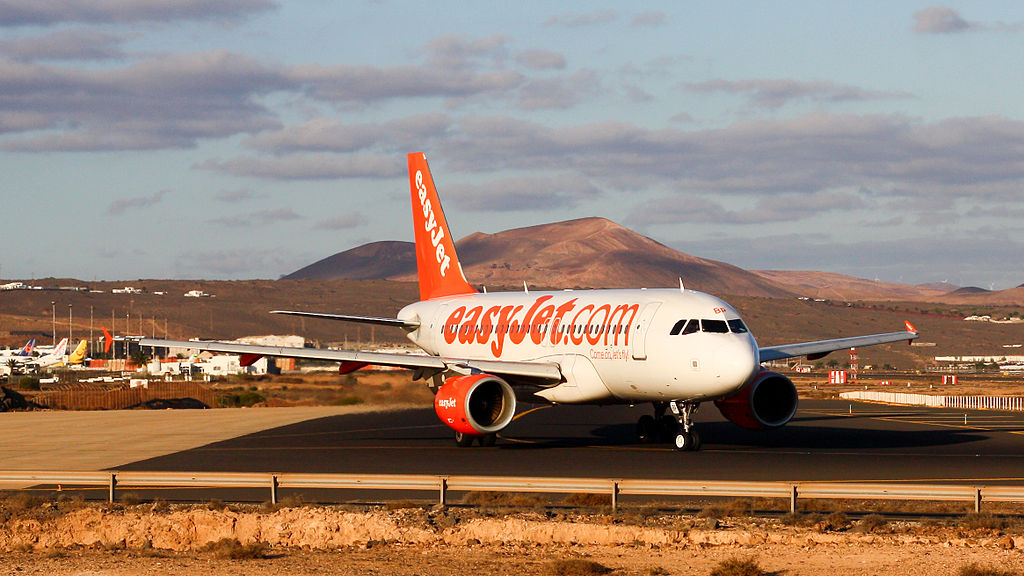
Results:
x,y
676,428
687,439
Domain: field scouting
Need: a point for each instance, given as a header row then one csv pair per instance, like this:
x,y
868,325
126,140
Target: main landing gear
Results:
x,y
677,428
466,440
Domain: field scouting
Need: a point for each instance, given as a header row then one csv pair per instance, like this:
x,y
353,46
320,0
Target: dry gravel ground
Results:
x,y
537,561
75,538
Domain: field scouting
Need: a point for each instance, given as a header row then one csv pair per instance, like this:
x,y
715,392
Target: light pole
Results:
x,y
53,309
70,339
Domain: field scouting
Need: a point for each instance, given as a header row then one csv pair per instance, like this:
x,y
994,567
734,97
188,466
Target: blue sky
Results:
x,y
248,138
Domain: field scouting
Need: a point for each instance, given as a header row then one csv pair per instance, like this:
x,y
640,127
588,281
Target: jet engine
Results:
x,y
475,405
767,401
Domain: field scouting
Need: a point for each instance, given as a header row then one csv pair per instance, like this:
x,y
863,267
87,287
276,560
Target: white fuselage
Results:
x,y
612,345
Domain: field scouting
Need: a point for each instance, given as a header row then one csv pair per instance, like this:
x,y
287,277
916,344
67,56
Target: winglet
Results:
x,y
910,327
440,273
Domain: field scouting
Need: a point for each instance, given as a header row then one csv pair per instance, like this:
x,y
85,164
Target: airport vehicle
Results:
x,y
674,348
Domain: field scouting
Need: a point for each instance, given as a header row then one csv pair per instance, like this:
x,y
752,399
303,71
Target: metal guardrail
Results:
x,y
794,491
1010,403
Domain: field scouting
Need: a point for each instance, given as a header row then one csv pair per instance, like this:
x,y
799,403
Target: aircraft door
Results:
x,y
638,331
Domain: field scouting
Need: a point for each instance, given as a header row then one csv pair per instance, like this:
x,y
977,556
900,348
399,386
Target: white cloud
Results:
x,y
37,13
124,204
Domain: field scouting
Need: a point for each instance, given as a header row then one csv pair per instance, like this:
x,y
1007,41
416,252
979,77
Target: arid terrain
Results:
x,y
71,537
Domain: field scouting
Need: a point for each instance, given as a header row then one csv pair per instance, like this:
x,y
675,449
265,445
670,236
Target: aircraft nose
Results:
x,y
736,361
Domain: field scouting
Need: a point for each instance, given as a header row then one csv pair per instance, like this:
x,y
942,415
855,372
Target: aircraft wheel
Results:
x,y
464,440
687,442
646,429
668,428
696,440
488,439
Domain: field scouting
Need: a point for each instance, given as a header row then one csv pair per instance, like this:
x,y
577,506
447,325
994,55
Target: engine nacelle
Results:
x,y
768,401
476,405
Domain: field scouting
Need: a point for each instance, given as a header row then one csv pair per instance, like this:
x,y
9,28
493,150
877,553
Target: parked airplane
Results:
x,y
675,348
78,356
23,352
52,358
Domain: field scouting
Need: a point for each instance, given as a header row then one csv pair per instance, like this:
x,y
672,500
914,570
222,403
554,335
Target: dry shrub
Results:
x,y
402,505
67,503
576,567
976,570
713,511
738,567
504,500
231,548
131,499
834,522
871,523
22,501
983,521
587,499
799,519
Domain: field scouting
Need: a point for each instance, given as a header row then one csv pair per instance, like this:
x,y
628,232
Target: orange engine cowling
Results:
x,y
767,401
476,405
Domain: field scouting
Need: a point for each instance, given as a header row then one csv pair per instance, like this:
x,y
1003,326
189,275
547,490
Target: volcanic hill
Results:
x,y
584,253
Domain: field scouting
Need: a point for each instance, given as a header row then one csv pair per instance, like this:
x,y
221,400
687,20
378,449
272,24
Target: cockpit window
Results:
x,y
736,325
691,327
678,327
714,326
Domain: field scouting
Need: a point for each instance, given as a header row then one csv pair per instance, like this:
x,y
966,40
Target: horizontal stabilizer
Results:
x,y
405,324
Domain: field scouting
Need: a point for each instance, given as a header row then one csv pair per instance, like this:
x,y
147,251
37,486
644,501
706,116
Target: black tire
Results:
x,y
683,442
488,439
668,427
696,440
464,440
646,429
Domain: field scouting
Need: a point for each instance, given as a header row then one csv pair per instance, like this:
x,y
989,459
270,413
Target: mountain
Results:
x,y
374,261
598,253
816,284
584,253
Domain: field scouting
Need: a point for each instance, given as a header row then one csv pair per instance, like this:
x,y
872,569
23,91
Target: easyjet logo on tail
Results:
x,y
430,226
436,262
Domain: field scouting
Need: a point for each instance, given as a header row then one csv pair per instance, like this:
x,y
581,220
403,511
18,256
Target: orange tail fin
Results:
x,y
108,341
437,264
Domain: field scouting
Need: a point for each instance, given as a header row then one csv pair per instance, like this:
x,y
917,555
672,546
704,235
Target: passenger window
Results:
x,y
736,325
714,326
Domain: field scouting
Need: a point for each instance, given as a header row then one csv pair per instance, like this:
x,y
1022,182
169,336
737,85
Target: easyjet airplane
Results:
x,y
674,348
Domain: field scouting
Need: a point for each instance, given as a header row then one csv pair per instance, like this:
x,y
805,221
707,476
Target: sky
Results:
x,y
238,139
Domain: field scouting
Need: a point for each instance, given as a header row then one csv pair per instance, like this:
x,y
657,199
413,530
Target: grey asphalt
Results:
x,y
824,442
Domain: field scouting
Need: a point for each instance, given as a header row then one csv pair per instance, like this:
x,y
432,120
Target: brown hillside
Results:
x,y
586,253
1011,297
373,261
816,284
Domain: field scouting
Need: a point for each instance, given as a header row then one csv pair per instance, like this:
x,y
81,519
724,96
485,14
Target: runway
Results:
x,y
824,442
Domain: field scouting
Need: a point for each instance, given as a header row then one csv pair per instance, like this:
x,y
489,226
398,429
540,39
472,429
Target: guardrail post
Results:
x,y
615,496
792,500
442,497
112,487
274,484
977,501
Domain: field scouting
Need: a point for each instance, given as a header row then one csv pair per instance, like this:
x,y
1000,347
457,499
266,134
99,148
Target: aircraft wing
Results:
x,y
815,350
544,371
